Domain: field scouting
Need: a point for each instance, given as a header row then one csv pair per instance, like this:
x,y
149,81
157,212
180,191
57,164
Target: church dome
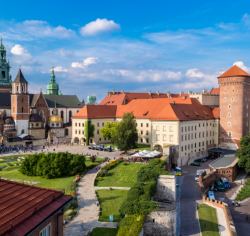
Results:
x,y
55,119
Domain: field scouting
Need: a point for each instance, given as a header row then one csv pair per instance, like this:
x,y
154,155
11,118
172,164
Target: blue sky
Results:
x,y
133,45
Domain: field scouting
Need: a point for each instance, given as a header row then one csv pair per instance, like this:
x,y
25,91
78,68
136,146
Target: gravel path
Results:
x,y
87,217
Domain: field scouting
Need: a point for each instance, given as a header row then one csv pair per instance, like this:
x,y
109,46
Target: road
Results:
x,y
189,194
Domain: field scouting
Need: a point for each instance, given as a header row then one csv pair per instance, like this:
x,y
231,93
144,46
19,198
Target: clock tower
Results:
x,y
20,108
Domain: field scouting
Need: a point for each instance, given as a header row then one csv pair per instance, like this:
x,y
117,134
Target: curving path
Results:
x,y
87,217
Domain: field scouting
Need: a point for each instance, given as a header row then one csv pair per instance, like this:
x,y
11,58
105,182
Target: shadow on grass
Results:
x,y
210,228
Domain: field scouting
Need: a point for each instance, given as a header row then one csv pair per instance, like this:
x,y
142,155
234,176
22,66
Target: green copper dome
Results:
x,y
52,87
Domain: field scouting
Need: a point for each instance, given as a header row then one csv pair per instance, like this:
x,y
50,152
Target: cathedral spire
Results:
x,y
52,87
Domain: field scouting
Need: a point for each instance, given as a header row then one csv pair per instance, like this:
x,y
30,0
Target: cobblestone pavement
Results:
x,y
87,217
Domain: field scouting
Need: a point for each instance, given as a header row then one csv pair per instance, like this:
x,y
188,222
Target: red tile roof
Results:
x,y
24,207
121,98
215,91
96,112
234,71
155,109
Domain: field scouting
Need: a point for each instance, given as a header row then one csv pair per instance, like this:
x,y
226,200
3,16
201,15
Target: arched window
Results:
x,y
62,114
70,115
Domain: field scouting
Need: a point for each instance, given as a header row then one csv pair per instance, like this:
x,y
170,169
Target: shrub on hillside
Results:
x,y
105,170
53,165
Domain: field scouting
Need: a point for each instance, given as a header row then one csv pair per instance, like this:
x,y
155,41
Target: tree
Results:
x,y
126,136
109,131
88,130
244,153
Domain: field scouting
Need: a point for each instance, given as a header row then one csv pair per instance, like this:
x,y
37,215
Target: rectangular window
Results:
x,y
157,137
46,231
141,124
147,125
171,138
164,128
164,137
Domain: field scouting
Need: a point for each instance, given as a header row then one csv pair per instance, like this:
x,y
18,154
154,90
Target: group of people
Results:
x,y
16,148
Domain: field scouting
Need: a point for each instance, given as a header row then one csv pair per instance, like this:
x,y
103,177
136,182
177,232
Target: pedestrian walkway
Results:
x,y
87,217
223,229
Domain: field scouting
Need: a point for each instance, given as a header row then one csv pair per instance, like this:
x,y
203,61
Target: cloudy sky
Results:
x,y
137,45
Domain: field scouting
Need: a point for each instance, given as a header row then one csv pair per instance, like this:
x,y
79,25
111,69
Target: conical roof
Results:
x,y
234,71
20,78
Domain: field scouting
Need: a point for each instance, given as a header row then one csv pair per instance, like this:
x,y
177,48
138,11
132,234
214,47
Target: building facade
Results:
x,y
161,123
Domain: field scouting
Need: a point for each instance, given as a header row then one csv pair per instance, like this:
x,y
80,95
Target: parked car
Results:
x,y
225,182
210,195
235,203
199,173
195,163
178,171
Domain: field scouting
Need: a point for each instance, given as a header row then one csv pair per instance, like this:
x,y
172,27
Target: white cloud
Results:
x,y
18,50
60,69
20,53
99,26
194,73
85,63
144,75
241,64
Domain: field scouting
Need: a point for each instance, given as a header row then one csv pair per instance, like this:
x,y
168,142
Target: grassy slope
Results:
x,y
208,220
123,175
110,201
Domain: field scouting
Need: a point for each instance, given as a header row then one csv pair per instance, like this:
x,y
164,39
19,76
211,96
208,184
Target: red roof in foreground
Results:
x,y
234,71
24,207
155,109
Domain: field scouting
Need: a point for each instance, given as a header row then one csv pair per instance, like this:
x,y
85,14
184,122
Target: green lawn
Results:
x,y
110,202
244,192
12,173
58,183
103,232
123,175
208,220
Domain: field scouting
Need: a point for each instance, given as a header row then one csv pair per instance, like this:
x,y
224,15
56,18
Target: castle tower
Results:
x,y
20,109
52,87
5,78
234,106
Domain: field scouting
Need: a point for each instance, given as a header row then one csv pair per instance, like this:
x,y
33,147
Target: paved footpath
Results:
x,y
87,217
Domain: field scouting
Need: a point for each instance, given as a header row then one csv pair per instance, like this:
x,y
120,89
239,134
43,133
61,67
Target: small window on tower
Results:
x,y
22,109
3,74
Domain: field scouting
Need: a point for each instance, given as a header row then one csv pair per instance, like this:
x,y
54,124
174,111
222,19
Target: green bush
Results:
x,y
53,165
130,225
105,170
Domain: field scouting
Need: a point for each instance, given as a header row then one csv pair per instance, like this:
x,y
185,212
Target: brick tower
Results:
x,y
20,110
234,106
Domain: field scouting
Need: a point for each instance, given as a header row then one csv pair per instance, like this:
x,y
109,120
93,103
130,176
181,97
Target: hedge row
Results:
x,y
53,165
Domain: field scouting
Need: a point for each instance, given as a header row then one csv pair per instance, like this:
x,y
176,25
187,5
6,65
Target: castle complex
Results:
x,y
186,124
